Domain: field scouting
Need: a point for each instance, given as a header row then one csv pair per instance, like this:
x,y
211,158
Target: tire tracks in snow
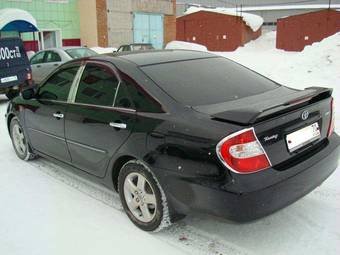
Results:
x,y
180,235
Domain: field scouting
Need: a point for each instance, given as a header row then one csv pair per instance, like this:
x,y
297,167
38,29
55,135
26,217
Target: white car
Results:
x,y
46,61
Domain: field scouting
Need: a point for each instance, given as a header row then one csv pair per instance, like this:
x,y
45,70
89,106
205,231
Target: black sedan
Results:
x,y
180,131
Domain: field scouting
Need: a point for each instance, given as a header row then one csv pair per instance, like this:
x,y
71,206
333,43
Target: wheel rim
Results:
x,y
140,197
19,140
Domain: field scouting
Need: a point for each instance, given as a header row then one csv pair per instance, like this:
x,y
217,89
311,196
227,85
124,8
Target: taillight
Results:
x,y
332,119
242,152
29,76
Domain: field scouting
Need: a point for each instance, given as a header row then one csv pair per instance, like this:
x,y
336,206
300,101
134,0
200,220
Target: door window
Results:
x,y
38,59
97,86
51,56
58,86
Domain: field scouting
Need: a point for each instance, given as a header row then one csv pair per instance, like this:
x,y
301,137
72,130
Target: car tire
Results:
x,y
19,141
142,197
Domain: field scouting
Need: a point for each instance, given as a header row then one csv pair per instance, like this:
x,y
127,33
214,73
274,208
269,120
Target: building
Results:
x,y
218,30
269,10
295,32
57,22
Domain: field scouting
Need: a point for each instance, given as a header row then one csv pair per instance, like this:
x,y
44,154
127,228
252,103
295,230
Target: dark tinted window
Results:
x,y
52,57
38,58
207,81
139,98
58,86
97,86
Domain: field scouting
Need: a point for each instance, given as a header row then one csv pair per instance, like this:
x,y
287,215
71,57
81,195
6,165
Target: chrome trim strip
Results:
x,y
106,107
219,145
47,134
86,147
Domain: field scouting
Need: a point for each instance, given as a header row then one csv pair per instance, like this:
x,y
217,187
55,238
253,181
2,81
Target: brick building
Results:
x,y
115,22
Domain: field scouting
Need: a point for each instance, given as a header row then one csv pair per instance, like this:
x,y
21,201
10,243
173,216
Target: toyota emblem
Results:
x,y
305,115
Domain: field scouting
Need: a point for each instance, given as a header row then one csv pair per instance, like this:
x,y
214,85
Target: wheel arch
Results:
x,y
118,164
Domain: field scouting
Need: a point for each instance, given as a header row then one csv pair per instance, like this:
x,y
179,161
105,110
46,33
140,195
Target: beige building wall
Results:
x,y
88,23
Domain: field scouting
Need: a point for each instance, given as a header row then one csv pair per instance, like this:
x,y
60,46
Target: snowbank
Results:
x,y
252,20
176,45
101,50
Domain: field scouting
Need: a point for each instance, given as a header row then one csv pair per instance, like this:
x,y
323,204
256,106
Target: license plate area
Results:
x,y
303,136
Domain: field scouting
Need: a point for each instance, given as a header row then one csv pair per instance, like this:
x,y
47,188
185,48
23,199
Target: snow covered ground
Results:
x,y
47,210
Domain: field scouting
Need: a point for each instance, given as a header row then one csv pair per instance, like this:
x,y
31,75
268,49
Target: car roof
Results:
x,y
143,58
64,48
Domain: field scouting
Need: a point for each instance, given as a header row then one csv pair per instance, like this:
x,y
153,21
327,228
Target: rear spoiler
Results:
x,y
266,108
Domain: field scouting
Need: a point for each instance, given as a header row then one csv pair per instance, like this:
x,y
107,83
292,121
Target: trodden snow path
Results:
x,y
45,209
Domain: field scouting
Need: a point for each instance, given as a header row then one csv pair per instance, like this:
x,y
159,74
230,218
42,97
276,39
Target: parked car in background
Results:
x,y
46,61
180,131
15,69
135,47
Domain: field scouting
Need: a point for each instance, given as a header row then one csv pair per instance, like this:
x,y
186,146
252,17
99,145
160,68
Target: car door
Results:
x,y
94,128
37,65
44,115
51,61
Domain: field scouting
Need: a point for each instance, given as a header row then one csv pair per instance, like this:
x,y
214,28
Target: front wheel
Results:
x,y
19,141
142,197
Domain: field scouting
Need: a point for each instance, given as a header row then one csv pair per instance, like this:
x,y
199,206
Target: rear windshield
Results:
x,y
80,52
207,81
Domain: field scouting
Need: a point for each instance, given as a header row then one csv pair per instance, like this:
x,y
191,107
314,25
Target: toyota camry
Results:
x,y
180,131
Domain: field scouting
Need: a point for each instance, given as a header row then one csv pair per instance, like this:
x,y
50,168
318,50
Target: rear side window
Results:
x,y
52,57
132,95
97,86
207,81
38,58
58,86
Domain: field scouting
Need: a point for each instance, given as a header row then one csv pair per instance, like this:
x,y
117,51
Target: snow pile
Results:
x,y
180,45
101,50
253,21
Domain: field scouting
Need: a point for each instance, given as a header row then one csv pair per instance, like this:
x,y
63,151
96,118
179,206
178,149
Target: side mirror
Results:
x,y
28,94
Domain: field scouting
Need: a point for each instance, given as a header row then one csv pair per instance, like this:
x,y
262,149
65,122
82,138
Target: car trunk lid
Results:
x,y
275,115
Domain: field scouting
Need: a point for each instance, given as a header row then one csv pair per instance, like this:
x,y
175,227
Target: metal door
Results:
x,y
148,28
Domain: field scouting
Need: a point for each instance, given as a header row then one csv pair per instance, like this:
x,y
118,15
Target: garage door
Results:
x,y
148,28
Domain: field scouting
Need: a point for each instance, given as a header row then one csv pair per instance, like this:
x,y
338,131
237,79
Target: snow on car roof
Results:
x,y
252,20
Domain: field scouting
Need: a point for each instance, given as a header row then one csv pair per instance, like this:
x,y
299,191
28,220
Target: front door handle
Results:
x,y
118,125
58,115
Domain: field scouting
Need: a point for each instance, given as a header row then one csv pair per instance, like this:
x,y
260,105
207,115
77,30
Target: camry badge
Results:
x,y
304,115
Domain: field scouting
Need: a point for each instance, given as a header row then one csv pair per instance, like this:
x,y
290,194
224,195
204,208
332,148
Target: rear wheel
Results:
x,y
19,141
142,197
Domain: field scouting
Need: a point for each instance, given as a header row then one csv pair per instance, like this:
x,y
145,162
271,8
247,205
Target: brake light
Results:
x,y
242,152
29,76
332,119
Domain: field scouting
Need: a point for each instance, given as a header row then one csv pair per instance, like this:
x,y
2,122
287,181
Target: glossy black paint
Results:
x,y
178,143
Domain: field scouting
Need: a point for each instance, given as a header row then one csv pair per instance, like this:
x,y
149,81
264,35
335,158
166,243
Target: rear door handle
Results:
x,y
58,115
118,125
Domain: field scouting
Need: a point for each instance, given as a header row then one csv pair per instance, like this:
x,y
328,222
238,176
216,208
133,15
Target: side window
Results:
x,y
120,49
141,100
58,86
52,57
97,86
38,59
126,48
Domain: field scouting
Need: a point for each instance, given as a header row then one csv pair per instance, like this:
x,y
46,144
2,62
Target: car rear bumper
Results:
x,y
246,206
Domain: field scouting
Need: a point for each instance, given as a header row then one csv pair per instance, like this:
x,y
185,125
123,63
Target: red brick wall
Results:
x,y
170,25
218,32
102,23
295,32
